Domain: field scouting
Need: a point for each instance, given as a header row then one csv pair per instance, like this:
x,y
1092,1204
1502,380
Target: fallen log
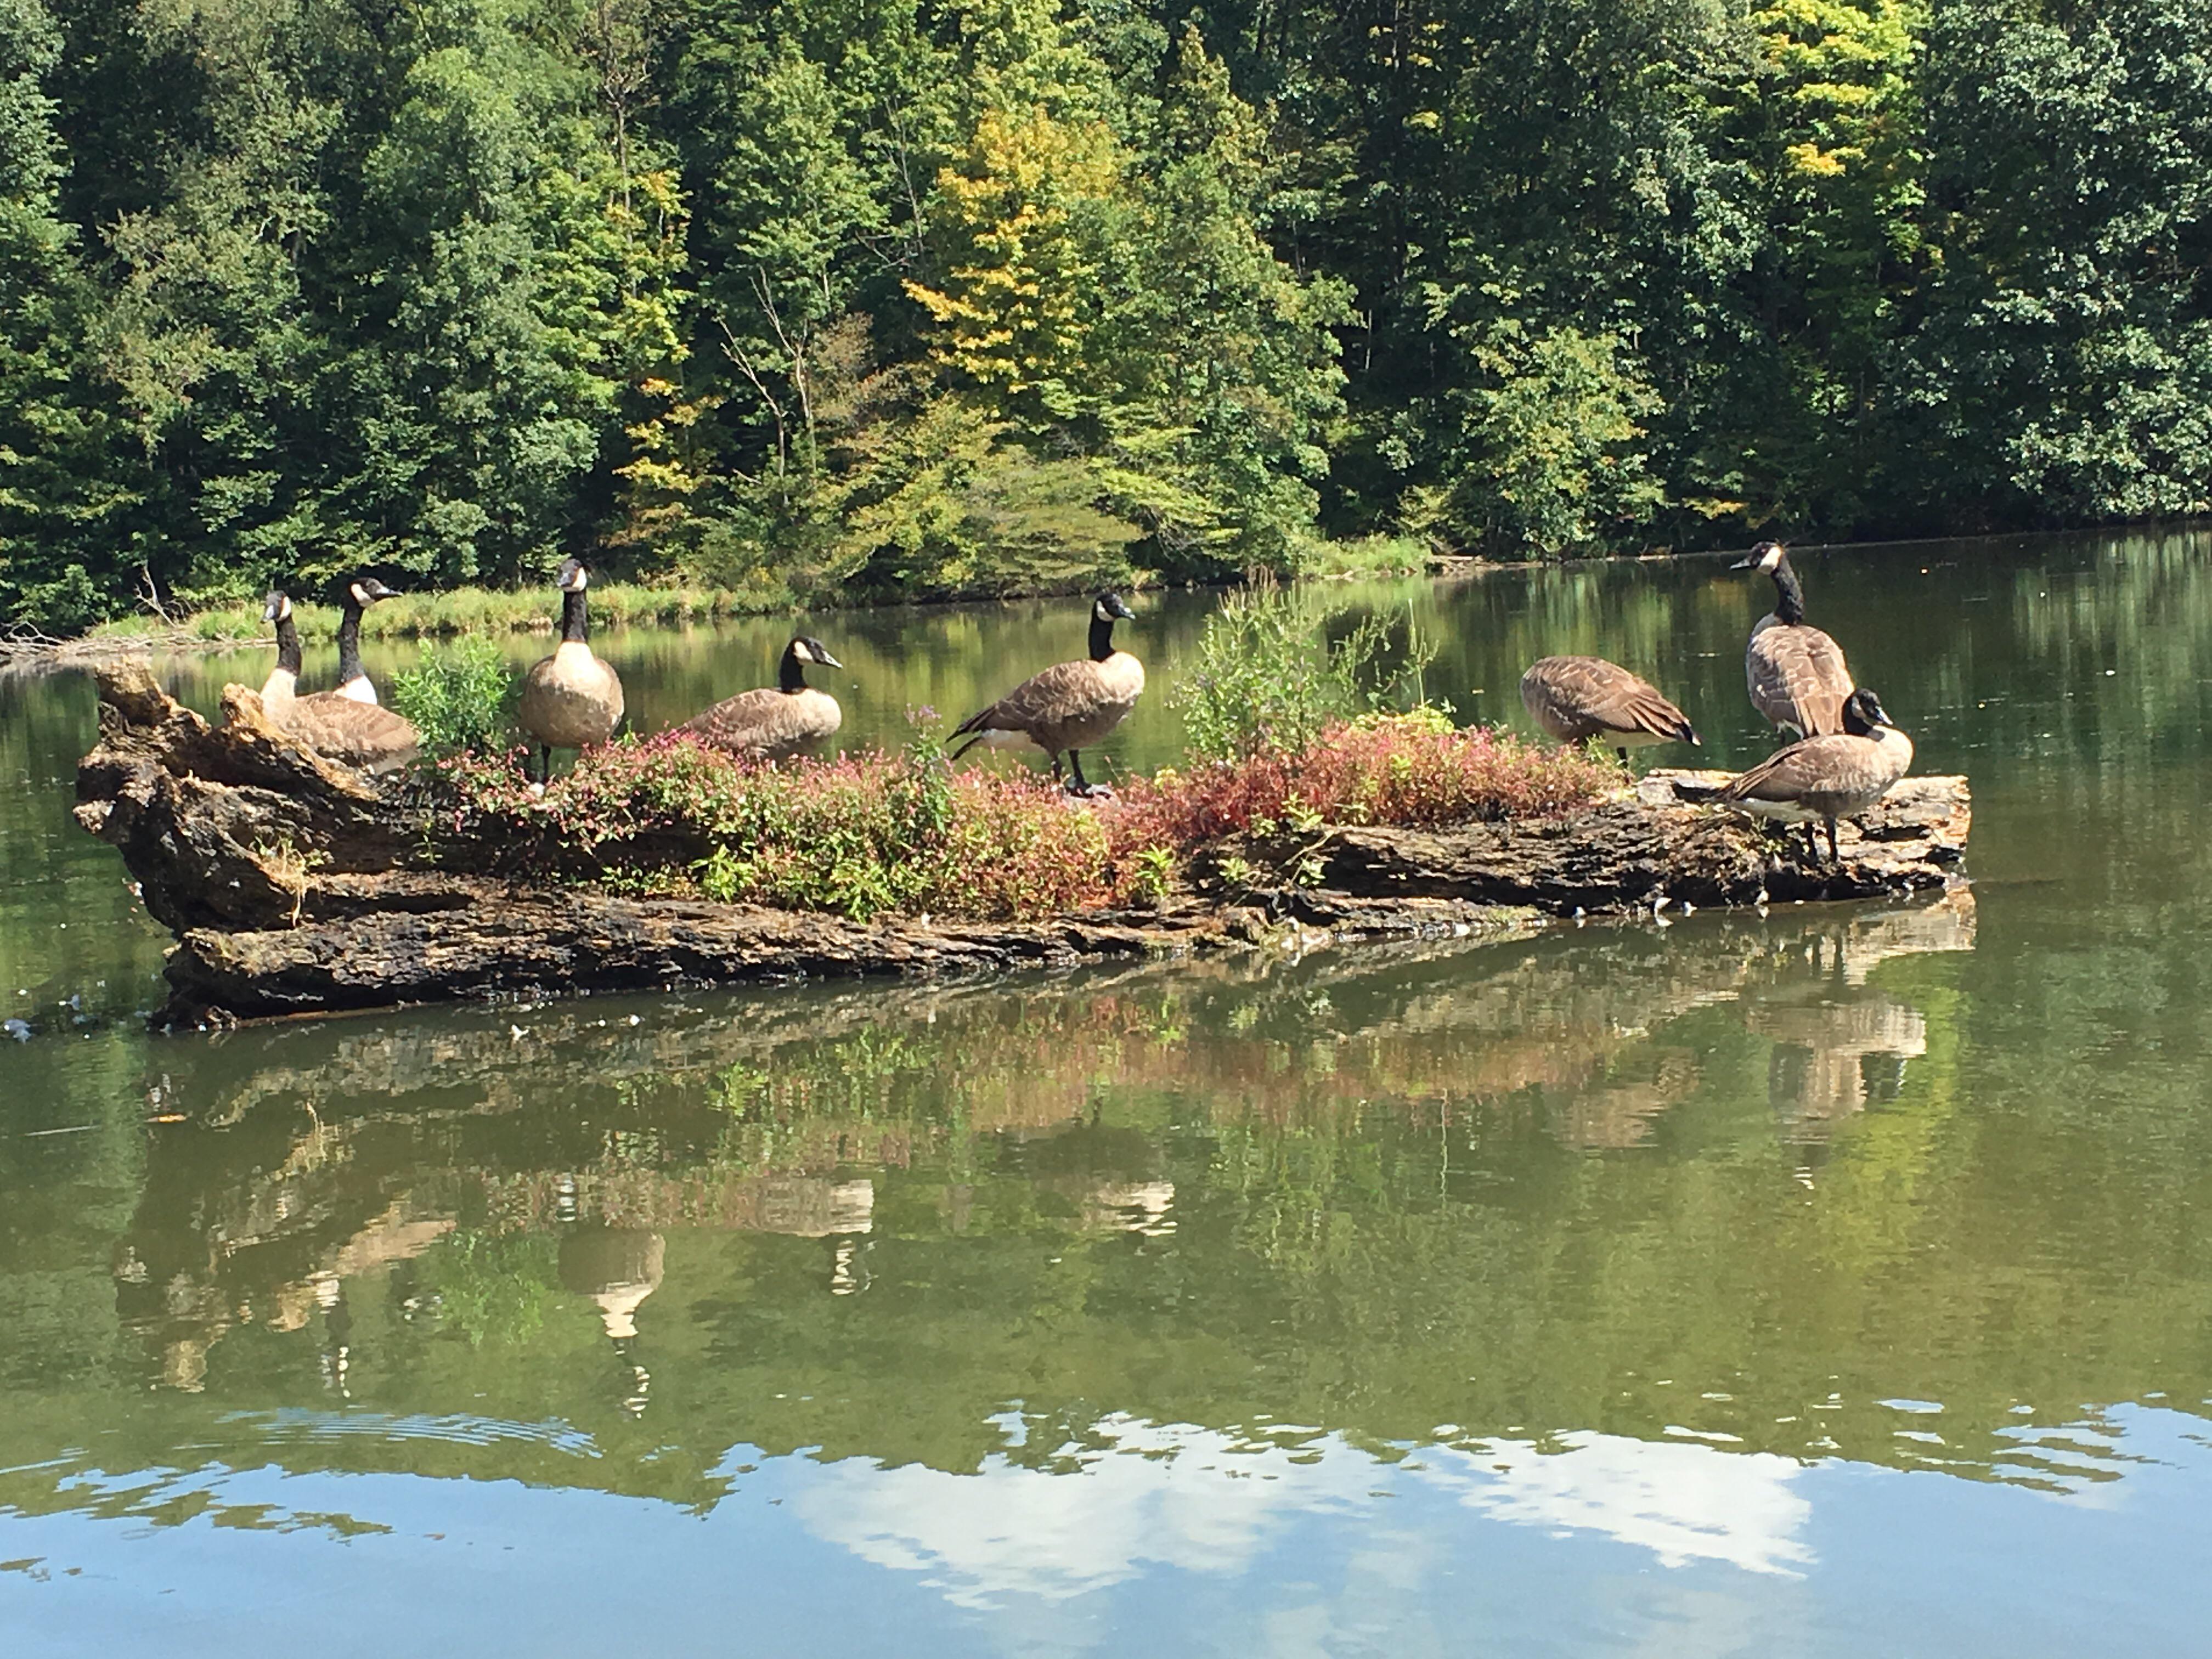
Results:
x,y
295,885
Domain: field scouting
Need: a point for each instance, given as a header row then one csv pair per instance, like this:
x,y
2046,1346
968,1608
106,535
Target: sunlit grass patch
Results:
x,y
482,611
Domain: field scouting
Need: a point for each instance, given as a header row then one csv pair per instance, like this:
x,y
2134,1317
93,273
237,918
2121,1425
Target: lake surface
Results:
x,y
1833,1282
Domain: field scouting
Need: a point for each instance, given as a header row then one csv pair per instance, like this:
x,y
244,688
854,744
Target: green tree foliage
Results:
x,y
58,554
2066,370
957,296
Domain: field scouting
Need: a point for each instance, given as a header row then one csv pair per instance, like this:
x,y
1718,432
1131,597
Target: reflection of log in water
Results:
x,y
371,1145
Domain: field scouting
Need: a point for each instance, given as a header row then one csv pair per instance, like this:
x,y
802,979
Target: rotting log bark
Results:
x,y
296,885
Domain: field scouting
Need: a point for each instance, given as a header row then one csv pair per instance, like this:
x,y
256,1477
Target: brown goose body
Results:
x,y
331,723
572,699
1795,674
1071,705
1822,779
776,721
1575,699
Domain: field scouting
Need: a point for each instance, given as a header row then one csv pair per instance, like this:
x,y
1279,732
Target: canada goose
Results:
x,y
1828,777
1575,699
572,699
1071,705
1796,673
328,722
775,722
353,680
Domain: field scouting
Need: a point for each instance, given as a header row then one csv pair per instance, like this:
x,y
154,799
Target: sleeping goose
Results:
x,y
1069,706
572,699
328,722
1575,699
775,722
1796,673
1827,777
353,680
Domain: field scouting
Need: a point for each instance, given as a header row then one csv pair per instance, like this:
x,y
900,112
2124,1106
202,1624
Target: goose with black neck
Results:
x,y
776,722
1069,707
331,723
572,699
1795,674
354,683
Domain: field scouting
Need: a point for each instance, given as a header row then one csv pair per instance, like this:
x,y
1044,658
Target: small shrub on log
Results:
x,y
460,697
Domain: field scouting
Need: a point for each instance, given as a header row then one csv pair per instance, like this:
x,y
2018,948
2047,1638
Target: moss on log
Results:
x,y
296,885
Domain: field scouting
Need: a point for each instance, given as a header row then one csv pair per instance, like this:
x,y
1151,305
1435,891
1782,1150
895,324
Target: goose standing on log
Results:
x,y
1069,706
1575,699
1829,777
1796,673
775,722
353,679
331,723
572,699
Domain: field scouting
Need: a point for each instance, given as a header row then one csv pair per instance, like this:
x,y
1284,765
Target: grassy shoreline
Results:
x,y
449,612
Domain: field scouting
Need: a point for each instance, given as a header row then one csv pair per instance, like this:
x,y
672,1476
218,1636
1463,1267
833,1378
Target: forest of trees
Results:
x,y
908,297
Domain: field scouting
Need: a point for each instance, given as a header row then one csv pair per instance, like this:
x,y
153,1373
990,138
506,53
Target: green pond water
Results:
x,y
1833,1282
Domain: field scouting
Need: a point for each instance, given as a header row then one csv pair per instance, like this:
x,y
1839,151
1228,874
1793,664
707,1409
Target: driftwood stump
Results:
x,y
295,885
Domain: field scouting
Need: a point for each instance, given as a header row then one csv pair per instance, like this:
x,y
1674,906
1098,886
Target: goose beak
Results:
x,y
1749,563
827,660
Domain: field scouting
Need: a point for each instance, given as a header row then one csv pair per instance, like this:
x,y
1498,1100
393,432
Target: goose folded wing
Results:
x,y
1798,678
362,733
746,715
1062,690
1791,774
1625,702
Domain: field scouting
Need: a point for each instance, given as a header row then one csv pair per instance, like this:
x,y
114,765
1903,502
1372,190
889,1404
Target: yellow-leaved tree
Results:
x,y
1029,225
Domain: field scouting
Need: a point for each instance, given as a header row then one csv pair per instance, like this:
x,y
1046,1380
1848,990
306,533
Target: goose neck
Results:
x,y
350,668
287,645
1789,595
791,673
1102,638
573,629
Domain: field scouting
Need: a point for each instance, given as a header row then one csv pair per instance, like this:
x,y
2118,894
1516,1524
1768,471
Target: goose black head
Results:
x,y
1862,712
574,578
276,608
808,649
1765,557
1110,607
368,590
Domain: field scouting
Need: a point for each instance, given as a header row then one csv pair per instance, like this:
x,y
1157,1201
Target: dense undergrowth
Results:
x,y
880,834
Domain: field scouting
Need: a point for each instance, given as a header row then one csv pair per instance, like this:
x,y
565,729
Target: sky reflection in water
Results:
x,y
1169,1532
